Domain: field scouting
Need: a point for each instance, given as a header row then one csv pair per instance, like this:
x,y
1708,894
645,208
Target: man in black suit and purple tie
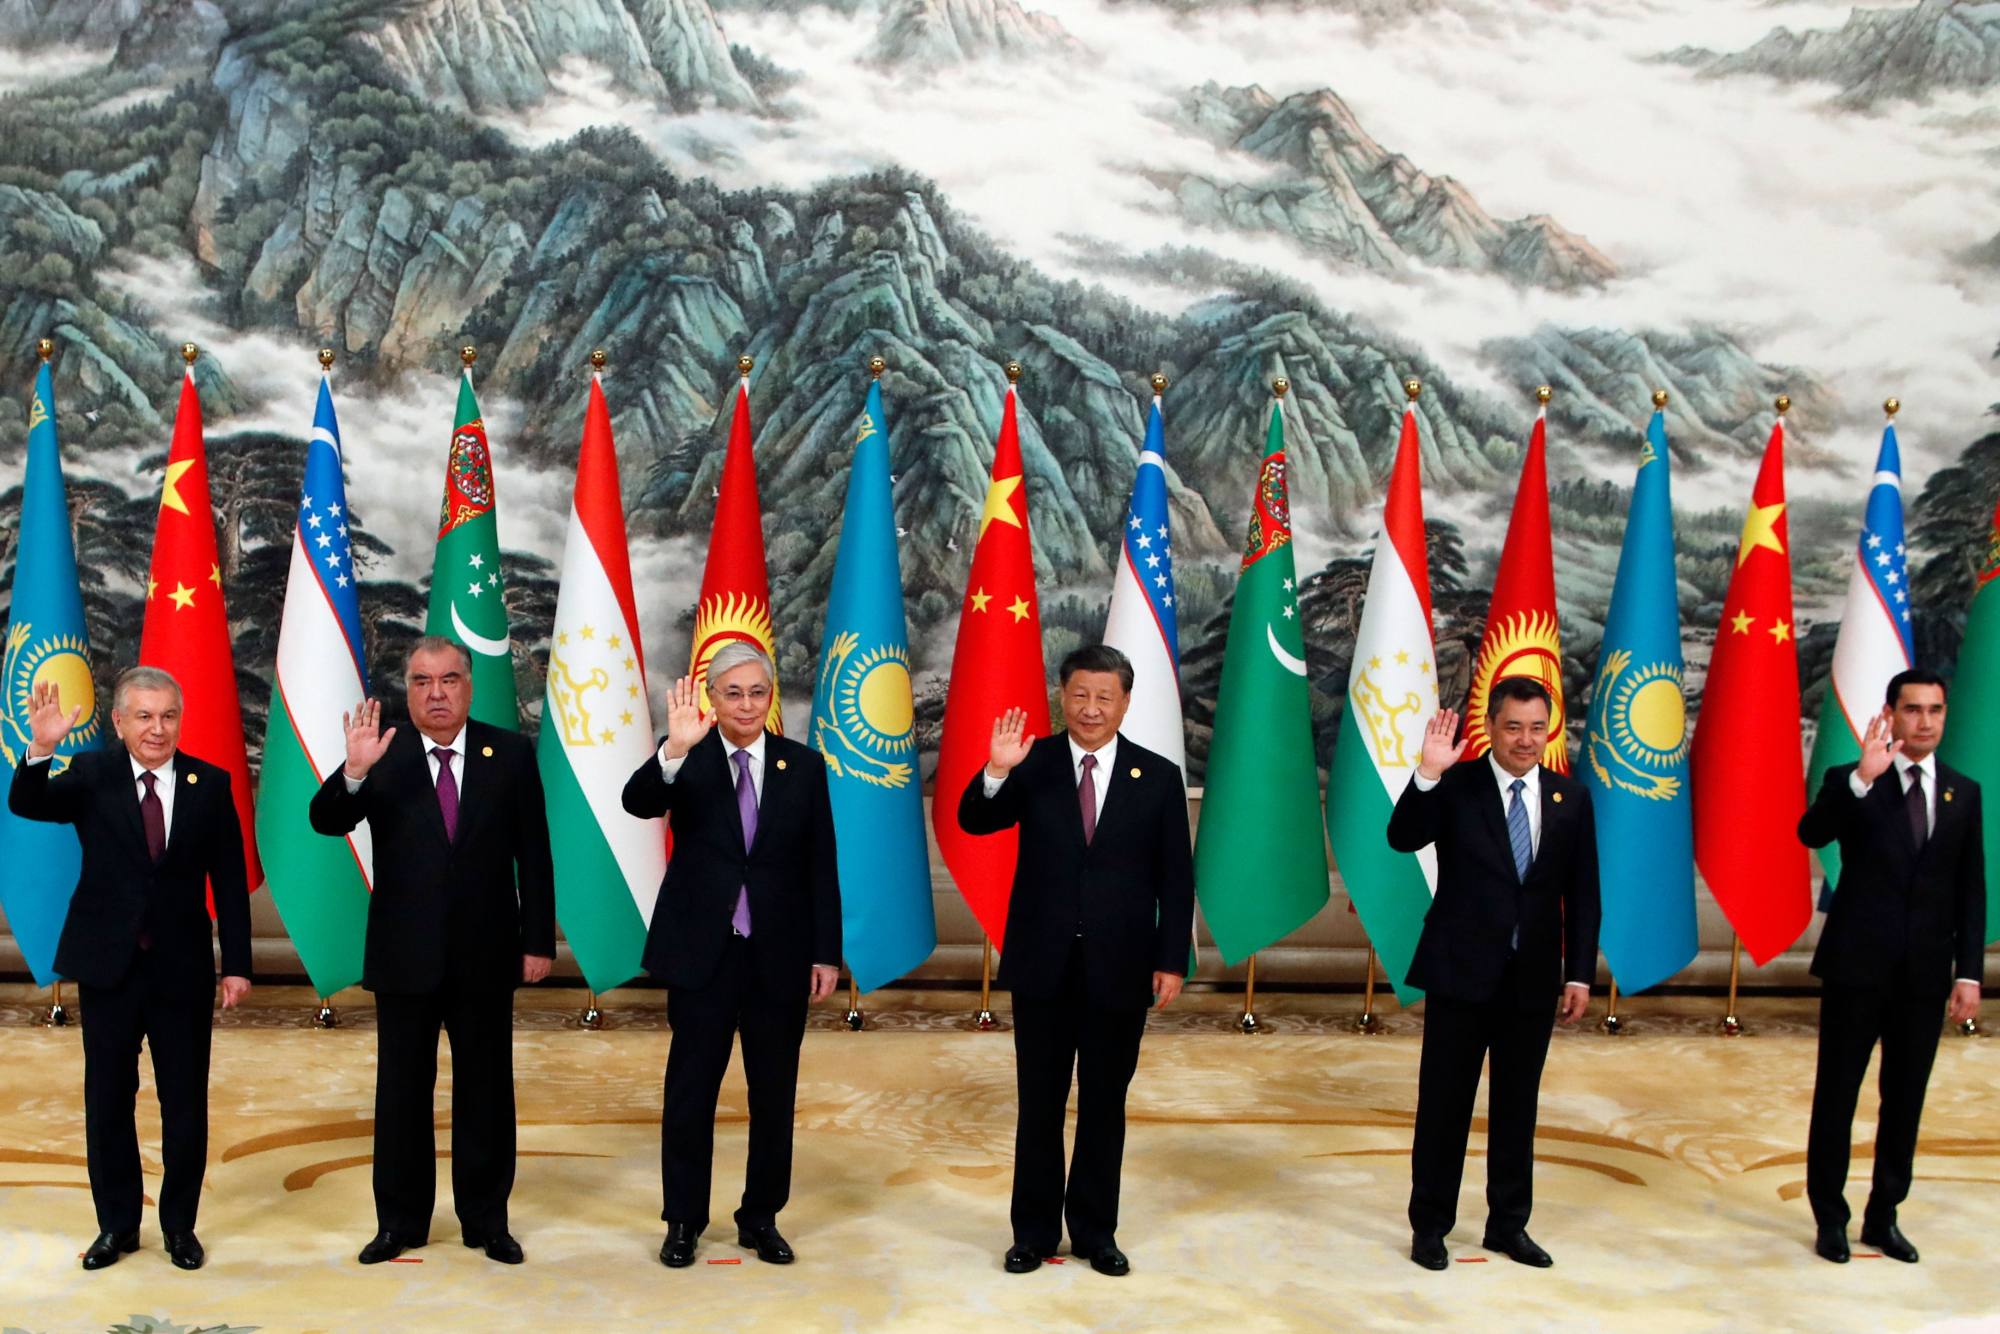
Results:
x,y
1905,937
1513,926
462,912
158,828
746,935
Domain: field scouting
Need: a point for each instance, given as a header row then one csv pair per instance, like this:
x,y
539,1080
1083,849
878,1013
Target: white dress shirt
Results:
x,y
163,786
1107,760
456,746
670,769
1903,764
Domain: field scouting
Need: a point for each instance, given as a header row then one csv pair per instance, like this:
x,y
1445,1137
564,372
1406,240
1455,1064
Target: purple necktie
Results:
x,y
1086,794
153,816
746,807
447,793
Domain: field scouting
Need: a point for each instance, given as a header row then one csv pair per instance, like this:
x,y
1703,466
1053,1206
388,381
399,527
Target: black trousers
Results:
x,y
480,1023
1055,1037
1460,1037
706,1021
1907,1020
157,1004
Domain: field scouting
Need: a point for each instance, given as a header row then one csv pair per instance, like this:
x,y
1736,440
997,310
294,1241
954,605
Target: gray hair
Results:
x,y
142,678
438,644
737,652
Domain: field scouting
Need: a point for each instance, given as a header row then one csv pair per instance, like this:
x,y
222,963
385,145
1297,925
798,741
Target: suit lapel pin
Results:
x,y
1947,794
1135,771
195,778
781,764
487,751
1556,797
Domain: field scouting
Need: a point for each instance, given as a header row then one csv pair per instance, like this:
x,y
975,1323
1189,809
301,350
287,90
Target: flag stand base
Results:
x,y
984,1021
1612,1024
325,1016
1367,1022
592,1017
1969,1029
57,1015
1248,1023
1730,1027
854,1018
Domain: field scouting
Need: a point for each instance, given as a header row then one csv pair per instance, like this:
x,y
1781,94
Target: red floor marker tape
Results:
x,y
1472,1259
735,1260
1054,1260
406,1260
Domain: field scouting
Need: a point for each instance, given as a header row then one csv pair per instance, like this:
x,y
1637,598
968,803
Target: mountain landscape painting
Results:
x,y
1725,201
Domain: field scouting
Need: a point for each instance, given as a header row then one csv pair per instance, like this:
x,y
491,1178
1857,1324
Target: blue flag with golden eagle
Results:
x,y
46,642
1635,750
864,724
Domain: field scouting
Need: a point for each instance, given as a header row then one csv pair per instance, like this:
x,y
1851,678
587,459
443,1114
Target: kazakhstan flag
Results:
x,y
1636,747
46,642
863,722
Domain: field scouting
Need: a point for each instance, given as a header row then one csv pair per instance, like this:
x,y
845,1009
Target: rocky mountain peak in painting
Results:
x,y
1345,197
1878,54
945,32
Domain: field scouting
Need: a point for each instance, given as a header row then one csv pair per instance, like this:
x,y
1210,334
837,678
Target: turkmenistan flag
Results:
x,y
1260,856
468,597
1874,642
320,884
597,729
1391,694
1972,729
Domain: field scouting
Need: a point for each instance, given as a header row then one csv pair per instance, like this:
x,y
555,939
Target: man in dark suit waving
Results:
x,y
1514,923
463,911
157,827
1906,934
1099,922
746,934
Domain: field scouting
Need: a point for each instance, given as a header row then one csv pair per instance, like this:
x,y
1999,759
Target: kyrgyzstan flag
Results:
x,y
735,588
996,666
1521,638
1747,764
186,632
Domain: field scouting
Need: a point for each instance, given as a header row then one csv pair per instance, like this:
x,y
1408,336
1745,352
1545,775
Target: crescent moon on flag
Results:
x,y
1296,666
478,643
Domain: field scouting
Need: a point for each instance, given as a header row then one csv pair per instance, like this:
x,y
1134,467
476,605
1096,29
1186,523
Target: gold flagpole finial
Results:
x,y
1892,406
1783,403
326,359
1160,383
1543,394
1013,369
876,365
189,352
745,364
468,354
597,358
45,348
1660,399
1412,387
1281,386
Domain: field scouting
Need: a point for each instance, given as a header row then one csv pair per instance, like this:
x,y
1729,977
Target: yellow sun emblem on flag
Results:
x,y
1638,727
870,734
732,616
1525,644
29,662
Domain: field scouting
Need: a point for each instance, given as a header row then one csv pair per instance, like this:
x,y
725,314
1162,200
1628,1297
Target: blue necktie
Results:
x,y
1517,830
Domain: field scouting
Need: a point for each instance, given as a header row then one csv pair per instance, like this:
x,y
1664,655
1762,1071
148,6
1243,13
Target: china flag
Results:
x,y
1747,765
996,666
186,632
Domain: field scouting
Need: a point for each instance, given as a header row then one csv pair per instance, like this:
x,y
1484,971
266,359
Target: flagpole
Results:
x,y
1367,1022
1612,1023
984,1021
56,1016
1731,1026
855,1020
592,1017
1248,1023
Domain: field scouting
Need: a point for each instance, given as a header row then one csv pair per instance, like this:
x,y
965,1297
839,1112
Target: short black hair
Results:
x,y
1096,658
1914,676
1523,688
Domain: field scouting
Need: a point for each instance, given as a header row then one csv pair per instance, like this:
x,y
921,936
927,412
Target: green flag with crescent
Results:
x,y
468,593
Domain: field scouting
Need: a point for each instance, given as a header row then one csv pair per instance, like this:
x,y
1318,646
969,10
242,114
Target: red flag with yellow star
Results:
x,y
186,632
1521,636
1747,765
735,587
996,666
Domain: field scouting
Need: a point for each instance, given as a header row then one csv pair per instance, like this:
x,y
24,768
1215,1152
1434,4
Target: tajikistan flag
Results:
x,y
1391,694
319,884
596,728
1874,642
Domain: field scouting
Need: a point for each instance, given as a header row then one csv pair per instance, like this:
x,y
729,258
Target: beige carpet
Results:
x,y
1264,1186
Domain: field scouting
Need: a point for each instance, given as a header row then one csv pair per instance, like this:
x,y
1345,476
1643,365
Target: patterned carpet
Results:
x,y
1264,1187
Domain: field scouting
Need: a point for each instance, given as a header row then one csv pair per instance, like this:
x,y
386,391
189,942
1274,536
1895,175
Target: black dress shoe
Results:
x,y
1023,1259
677,1251
1831,1244
386,1245
1107,1260
184,1249
1890,1241
1518,1247
764,1240
108,1247
499,1246
1427,1249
